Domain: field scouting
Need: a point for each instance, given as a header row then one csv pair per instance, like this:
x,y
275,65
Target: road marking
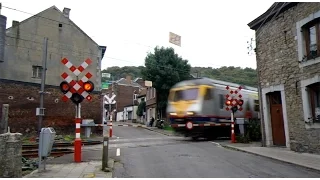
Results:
x,y
216,144
91,175
118,151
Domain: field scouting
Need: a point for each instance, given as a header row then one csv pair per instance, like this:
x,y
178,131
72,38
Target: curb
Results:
x,y
256,154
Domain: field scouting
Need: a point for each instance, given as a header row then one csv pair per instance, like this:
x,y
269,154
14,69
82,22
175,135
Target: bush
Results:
x,y
254,130
243,138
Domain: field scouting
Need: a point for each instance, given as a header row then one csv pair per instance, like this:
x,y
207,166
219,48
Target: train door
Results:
x,y
208,101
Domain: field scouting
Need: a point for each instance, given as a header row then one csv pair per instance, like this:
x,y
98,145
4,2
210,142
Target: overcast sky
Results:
x,y
213,33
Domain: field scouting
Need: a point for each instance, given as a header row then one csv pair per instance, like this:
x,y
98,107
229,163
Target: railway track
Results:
x,y
54,153
59,144
58,149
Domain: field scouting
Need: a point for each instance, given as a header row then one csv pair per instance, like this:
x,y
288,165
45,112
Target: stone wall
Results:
x,y
24,98
277,63
10,158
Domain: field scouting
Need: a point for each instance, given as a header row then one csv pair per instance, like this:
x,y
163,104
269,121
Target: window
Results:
x,y
37,72
314,99
186,95
221,100
151,93
311,34
60,25
154,92
208,95
256,105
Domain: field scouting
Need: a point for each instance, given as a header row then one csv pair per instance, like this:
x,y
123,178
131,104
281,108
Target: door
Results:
x,y
277,124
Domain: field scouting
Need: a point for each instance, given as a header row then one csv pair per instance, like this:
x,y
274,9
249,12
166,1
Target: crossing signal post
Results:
x,y
233,103
107,103
76,91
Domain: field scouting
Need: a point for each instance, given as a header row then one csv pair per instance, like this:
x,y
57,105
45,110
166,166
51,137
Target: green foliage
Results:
x,y
245,76
165,68
121,72
254,130
141,108
243,139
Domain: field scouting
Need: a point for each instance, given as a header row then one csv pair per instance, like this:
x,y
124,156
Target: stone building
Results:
x,y
21,69
288,63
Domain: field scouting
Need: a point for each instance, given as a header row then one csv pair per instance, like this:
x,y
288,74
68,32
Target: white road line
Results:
x,y
118,151
216,144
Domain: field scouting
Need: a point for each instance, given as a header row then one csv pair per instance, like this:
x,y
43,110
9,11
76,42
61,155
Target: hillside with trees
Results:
x,y
245,76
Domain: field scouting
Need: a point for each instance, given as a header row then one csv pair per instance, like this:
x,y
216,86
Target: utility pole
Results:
x,y
43,80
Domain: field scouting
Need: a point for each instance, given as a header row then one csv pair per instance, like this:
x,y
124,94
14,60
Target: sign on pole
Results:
x,y
106,75
105,85
76,91
148,83
175,39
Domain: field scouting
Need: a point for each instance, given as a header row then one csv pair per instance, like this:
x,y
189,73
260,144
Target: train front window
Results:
x,y
186,95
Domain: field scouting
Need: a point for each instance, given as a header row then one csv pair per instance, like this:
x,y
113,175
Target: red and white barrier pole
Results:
x,y
77,141
233,136
110,127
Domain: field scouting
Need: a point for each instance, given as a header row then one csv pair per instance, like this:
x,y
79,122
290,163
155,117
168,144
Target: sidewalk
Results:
x,y
73,170
307,160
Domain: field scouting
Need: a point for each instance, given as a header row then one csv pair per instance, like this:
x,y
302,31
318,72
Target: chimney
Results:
x,y
15,23
66,12
128,78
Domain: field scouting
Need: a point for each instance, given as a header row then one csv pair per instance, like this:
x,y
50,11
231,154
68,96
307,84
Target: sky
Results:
x,y
213,33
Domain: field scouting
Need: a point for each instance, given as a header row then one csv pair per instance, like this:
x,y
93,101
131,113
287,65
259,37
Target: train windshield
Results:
x,y
184,95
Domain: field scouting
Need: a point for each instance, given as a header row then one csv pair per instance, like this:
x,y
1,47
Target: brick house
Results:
x,y
21,70
288,63
142,97
125,88
151,103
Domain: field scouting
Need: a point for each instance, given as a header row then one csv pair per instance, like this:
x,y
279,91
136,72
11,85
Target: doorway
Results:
x,y
277,122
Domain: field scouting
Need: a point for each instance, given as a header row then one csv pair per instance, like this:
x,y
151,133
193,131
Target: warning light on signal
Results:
x,y
88,86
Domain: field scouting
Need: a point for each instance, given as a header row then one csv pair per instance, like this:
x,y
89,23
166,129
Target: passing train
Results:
x,y
197,108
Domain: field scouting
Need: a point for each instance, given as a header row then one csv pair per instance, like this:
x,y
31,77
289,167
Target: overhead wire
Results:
x,y
36,15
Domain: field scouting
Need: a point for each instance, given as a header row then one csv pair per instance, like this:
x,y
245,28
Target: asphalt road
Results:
x,y
147,154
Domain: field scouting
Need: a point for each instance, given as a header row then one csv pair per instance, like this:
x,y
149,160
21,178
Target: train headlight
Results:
x,y
173,114
190,113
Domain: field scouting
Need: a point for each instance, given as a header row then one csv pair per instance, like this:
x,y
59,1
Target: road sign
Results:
x,y
105,85
148,83
110,100
234,103
107,75
76,90
175,39
233,99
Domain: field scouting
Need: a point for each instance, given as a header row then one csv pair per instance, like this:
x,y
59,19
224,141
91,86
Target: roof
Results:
x,y
124,82
276,8
209,81
103,48
143,92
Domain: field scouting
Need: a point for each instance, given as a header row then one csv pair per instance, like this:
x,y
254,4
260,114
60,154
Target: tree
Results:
x,y
244,76
164,68
141,108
